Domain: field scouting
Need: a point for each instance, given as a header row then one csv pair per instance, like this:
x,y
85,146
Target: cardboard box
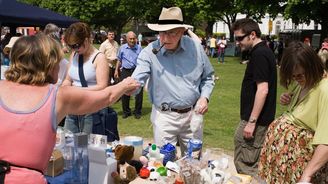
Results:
x,y
56,164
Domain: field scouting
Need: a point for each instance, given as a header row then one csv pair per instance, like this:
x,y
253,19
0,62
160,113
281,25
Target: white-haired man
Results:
x,y
180,79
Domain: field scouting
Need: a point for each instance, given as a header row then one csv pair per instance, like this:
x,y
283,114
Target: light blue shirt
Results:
x,y
128,55
177,78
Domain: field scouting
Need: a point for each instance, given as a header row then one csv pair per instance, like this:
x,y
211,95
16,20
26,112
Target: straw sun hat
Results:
x,y
169,18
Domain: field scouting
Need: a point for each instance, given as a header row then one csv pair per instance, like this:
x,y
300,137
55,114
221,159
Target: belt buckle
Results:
x,y
165,106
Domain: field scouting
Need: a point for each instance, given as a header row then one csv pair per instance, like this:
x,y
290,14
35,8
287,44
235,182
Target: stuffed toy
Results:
x,y
124,153
136,164
127,173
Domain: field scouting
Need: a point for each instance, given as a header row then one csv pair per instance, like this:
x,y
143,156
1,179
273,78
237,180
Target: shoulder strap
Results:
x,y
81,73
95,57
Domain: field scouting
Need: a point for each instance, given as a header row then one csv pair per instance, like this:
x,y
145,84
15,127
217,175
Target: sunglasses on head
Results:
x,y
75,46
241,38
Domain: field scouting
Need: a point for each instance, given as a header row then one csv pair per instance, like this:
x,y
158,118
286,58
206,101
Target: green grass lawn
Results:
x,y
222,118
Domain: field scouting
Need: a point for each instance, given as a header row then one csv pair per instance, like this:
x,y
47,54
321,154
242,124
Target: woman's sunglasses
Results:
x,y
75,46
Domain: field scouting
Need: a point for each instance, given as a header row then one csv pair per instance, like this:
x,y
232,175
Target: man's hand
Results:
x,y
249,130
201,105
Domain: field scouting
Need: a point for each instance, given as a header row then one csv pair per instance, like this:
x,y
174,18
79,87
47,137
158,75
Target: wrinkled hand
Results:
x,y
201,106
249,130
285,98
130,85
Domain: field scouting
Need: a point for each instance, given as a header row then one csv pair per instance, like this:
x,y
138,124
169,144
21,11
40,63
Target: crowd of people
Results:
x,y
178,76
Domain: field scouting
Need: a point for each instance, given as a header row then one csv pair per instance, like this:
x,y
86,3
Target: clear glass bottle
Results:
x,y
81,161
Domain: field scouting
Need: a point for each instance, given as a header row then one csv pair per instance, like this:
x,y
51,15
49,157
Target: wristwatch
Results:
x,y
252,120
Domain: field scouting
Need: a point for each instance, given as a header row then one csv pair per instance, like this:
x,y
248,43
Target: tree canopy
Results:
x,y
115,14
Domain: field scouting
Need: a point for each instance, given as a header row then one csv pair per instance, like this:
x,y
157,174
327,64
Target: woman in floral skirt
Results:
x,y
296,144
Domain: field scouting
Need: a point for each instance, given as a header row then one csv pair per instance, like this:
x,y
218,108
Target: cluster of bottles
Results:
x,y
75,152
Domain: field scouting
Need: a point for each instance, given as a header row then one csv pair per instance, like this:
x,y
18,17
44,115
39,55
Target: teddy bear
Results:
x,y
124,154
127,173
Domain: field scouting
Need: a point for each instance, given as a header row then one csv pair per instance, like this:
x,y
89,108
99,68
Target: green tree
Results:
x,y
301,11
113,14
212,11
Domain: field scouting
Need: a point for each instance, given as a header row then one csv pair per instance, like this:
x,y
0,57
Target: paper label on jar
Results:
x,y
98,140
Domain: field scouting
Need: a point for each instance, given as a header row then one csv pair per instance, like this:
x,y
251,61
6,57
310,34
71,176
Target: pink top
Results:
x,y
27,139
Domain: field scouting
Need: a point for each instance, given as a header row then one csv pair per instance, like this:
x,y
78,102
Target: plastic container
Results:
x,y
169,152
194,148
196,122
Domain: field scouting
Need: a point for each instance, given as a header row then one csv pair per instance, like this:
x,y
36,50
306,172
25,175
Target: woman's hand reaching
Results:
x,y
285,98
130,85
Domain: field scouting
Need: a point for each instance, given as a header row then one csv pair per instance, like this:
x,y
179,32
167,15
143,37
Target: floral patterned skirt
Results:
x,y
286,152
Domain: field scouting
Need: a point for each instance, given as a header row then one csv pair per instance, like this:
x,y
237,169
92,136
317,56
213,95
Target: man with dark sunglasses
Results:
x,y
258,96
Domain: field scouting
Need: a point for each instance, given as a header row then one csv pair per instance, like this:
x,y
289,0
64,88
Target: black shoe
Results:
x,y
126,116
137,116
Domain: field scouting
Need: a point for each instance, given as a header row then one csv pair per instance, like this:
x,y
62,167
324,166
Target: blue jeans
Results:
x,y
221,55
212,51
80,123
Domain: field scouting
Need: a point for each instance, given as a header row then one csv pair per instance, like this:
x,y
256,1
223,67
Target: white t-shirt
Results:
x,y
222,43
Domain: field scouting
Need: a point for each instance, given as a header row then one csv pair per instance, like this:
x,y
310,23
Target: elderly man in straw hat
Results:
x,y
7,48
180,80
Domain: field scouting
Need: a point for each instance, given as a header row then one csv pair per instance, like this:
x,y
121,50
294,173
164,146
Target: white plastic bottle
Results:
x,y
154,152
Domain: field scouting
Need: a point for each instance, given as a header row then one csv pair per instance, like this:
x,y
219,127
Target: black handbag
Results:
x,y
104,121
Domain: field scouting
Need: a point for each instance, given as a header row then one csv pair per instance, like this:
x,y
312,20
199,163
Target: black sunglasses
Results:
x,y
75,46
241,38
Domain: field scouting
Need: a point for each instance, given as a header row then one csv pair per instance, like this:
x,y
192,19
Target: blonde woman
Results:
x,y
31,107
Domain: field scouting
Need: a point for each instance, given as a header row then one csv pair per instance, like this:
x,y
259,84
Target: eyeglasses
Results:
x,y
169,33
241,38
75,46
298,76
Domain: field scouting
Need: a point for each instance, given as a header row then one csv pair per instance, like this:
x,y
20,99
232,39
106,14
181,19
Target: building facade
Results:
x,y
269,26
